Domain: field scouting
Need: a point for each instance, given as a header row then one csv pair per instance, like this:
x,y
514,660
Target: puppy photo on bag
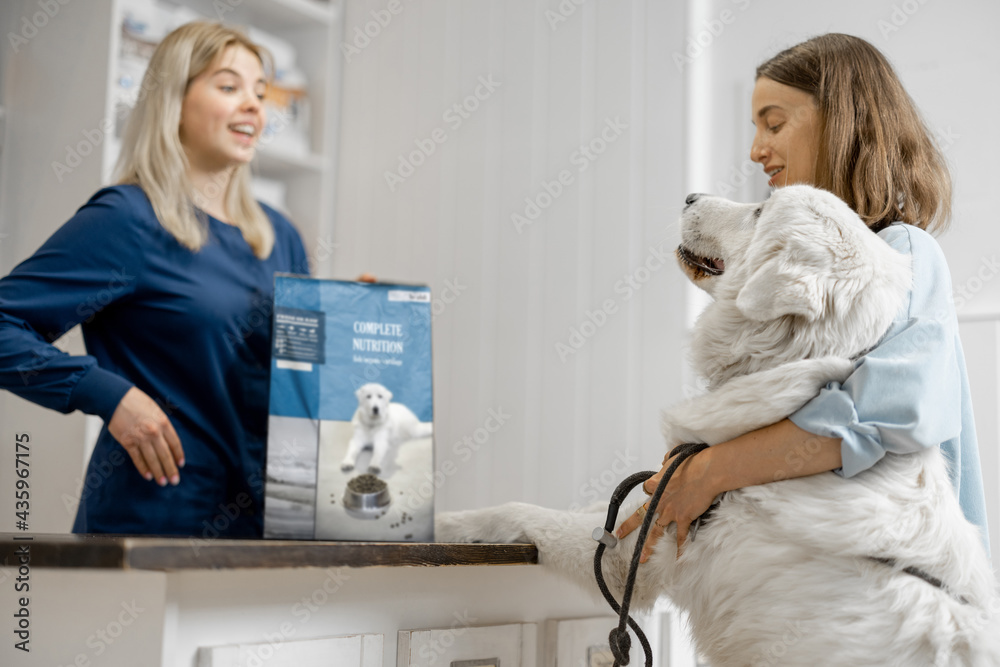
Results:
x,y
381,426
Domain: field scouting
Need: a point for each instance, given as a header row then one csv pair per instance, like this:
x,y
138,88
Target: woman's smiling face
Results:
x,y
788,125
222,114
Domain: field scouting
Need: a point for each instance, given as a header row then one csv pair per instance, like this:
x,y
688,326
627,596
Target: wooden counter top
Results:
x,y
181,553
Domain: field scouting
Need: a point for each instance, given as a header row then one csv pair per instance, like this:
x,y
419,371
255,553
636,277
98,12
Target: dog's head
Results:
x,y
373,401
801,252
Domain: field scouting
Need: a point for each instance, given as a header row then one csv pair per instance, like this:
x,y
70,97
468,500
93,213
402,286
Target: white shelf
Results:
x,y
316,10
274,14
277,163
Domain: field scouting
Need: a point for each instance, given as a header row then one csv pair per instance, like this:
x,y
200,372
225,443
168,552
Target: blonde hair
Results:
x,y
153,157
875,151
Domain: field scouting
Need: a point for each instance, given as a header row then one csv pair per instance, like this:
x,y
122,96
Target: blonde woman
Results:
x,y
170,273
831,112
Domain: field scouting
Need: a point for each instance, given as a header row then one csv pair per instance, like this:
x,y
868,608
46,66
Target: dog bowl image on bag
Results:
x,y
366,492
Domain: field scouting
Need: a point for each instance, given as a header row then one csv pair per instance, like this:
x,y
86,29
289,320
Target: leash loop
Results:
x,y
619,640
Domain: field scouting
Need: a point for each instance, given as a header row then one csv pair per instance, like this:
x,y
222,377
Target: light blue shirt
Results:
x,y
911,391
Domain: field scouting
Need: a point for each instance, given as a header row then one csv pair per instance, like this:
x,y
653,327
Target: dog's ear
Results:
x,y
780,287
388,395
359,392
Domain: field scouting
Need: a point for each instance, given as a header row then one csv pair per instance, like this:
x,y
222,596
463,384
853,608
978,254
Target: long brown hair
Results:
x,y
152,155
875,151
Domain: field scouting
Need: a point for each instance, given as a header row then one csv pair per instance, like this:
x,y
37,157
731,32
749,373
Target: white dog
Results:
x,y
380,424
788,573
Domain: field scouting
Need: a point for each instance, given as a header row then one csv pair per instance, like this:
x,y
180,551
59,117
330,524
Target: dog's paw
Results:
x,y
346,467
453,527
503,524
374,470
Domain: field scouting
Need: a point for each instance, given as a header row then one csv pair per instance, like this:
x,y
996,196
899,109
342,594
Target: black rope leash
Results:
x,y
619,639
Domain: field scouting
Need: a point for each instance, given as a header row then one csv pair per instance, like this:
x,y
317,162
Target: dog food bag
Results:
x,y
350,427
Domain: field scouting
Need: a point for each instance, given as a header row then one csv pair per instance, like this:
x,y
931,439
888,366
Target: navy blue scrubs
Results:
x,y
191,329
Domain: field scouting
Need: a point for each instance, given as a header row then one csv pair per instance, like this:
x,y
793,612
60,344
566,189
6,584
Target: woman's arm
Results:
x,y
775,452
88,265
91,263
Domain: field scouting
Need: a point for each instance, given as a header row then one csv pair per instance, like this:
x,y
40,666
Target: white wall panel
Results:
x,y
564,79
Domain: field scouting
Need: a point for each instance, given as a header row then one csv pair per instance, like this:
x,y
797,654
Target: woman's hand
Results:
x,y
772,453
687,496
142,428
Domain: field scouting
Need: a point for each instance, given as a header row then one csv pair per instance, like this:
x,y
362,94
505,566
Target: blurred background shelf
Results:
x,y
279,14
274,163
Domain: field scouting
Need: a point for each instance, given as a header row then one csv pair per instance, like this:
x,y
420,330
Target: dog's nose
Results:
x,y
375,410
692,198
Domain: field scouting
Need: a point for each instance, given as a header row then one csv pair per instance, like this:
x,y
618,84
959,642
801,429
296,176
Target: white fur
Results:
x,y
380,424
782,574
